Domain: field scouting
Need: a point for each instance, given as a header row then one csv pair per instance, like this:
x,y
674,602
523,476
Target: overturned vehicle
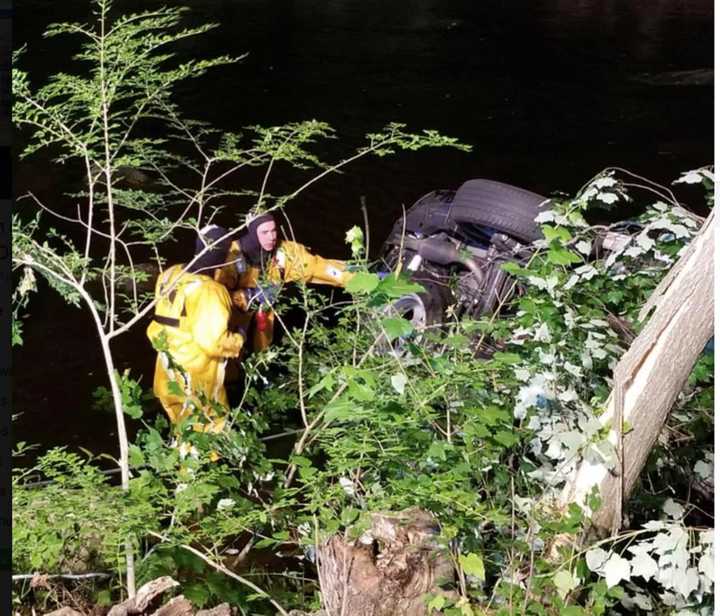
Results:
x,y
454,243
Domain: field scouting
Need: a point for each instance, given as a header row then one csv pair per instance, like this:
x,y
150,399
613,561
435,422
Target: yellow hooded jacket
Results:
x,y
292,262
193,311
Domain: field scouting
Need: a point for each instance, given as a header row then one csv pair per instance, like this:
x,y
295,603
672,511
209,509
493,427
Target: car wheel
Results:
x,y
423,310
503,207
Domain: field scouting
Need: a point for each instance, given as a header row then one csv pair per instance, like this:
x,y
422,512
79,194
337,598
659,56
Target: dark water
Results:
x,y
547,92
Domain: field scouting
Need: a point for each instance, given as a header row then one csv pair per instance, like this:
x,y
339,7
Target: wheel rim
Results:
x,y
411,308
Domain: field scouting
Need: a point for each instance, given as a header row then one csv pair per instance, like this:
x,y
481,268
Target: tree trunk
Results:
x,y
649,377
388,571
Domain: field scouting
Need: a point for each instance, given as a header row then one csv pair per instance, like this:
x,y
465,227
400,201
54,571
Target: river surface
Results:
x,y
547,92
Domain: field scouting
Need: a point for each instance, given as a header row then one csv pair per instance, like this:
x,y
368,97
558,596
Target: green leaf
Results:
x,y
437,450
593,499
348,515
513,268
616,569
341,408
136,457
133,411
301,461
506,438
363,283
103,598
572,610
560,256
397,327
360,391
564,582
396,286
503,357
398,381
325,383
556,233
473,564
436,603
265,543
197,593
492,415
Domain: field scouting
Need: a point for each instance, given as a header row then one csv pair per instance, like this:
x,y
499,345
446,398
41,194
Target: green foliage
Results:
x,y
78,521
476,443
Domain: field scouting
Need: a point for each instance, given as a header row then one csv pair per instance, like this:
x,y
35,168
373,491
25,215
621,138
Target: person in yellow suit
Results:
x,y
193,312
269,264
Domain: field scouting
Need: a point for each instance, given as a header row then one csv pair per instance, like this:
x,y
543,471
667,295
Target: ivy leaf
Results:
x,y
706,566
595,559
608,198
584,247
616,570
397,327
103,598
564,582
363,283
398,382
360,391
643,602
513,268
687,581
197,593
673,509
325,383
473,564
136,457
644,565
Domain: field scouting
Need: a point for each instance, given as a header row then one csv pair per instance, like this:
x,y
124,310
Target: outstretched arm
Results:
x,y
300,265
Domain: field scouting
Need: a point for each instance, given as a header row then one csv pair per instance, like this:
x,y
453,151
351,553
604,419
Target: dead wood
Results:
x,y
177,606
144,598
64,611
221,610
145,603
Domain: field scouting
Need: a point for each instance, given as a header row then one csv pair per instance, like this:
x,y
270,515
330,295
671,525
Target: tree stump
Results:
x,y
386,572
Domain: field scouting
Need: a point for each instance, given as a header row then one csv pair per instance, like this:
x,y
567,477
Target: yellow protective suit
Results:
x,y
194,315
292,262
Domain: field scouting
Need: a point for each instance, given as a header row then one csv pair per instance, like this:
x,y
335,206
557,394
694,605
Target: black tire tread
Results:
x,y
506,208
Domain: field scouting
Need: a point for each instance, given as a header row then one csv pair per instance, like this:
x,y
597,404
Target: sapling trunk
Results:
x,y
121,430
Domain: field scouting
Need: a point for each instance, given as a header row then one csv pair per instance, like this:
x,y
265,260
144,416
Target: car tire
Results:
x,y
503,207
